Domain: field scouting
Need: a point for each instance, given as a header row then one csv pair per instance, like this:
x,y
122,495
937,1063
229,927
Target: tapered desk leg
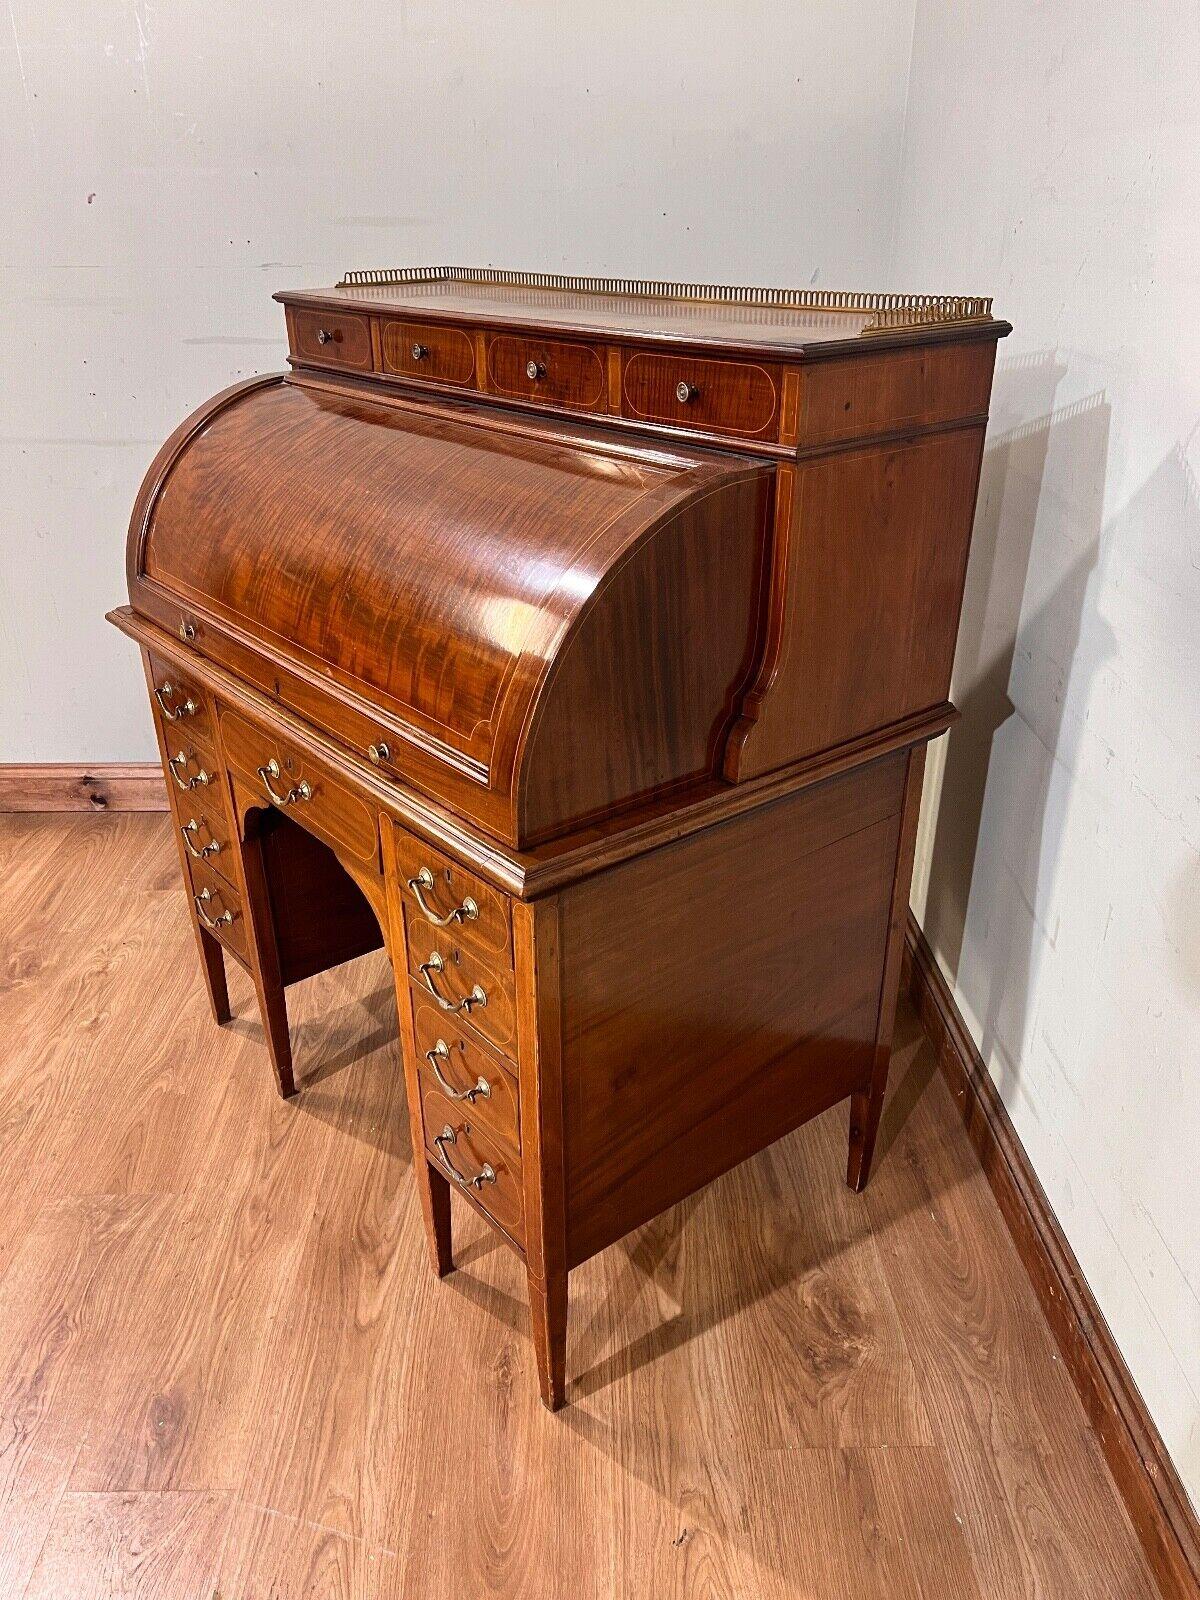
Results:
x,y
434,1190
866,1107
268,981
548,1313
212,963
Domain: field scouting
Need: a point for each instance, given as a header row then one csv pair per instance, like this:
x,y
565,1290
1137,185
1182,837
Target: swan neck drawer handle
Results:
x,y
298,791
166,704
440,1053
190,830
436,963
222,920
422,884
486,1173
177,763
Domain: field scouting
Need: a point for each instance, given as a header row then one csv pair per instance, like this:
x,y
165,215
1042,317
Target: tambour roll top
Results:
x,y
539,623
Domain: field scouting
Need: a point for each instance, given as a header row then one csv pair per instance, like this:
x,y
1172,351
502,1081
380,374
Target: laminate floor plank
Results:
x,y
225,1367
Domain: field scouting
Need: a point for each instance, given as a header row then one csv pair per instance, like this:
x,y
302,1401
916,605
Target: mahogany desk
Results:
x,y
580,642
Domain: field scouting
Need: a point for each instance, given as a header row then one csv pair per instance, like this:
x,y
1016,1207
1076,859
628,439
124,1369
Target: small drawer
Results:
x,y
218,907
446,895
192,769
298,784
466,1072
332,339
473,1162
725,396
464,987
181,705
427,350
547,369
206,838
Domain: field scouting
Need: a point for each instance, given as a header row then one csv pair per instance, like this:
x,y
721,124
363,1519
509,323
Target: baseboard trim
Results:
x,y
67,786
1144,1473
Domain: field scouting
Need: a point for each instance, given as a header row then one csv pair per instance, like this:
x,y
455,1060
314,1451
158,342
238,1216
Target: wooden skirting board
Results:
x,y
1158,1505
67,786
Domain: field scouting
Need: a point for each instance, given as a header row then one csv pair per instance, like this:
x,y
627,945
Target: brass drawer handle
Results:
x,y
685,392
192,828
298,791
440,1053
174,713
486,1173
535,371
221,920
467,912
324,336
419,352
477,996
187,783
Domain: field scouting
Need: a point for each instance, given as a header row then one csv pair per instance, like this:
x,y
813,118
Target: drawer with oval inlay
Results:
x,y
724,396
206,837
289,778
475,1163
218,906
427,350
552,370
462,983
438,889
331,338
181,705
466,1071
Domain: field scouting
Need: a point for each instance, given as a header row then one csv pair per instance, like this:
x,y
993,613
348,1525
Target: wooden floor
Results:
x,y
227,1370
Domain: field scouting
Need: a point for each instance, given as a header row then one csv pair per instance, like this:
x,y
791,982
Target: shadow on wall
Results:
x,y
1032,629
1004,630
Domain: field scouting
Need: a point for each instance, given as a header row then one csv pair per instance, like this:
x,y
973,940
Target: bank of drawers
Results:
x,y
741,399
458,942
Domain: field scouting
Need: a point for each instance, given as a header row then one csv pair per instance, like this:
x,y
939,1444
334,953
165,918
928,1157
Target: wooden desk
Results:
x,y
580,642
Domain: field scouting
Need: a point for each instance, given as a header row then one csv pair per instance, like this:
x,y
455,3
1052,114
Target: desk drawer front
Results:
x,y
427,350
218,907
473,1162
288,777
206,839
441,892
547,369
181,705
332,339
465,1072
726,396
462,985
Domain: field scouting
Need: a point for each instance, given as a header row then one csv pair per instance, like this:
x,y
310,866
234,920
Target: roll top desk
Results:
x,y
578,642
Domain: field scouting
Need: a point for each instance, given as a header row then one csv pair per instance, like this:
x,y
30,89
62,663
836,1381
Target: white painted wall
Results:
x,y
164,167
1051,159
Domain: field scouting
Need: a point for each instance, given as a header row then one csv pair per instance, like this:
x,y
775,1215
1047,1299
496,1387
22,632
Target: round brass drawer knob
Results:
x,y
535,370
379,752
324,336
420,352
685,392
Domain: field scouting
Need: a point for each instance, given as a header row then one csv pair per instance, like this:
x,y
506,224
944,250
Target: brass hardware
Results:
x,y
685,392
324,336
890,310
419,352
486,1173
189,783
436,963
221,920
187,631
174,713
379,752
467,912
212,848
298,791
441,1052
535,370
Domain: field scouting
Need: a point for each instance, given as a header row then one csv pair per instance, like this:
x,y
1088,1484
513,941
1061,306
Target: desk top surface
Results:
x,y
782,320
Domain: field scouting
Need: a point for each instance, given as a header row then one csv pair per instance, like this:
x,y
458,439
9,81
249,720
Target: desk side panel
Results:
x,y
718,992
